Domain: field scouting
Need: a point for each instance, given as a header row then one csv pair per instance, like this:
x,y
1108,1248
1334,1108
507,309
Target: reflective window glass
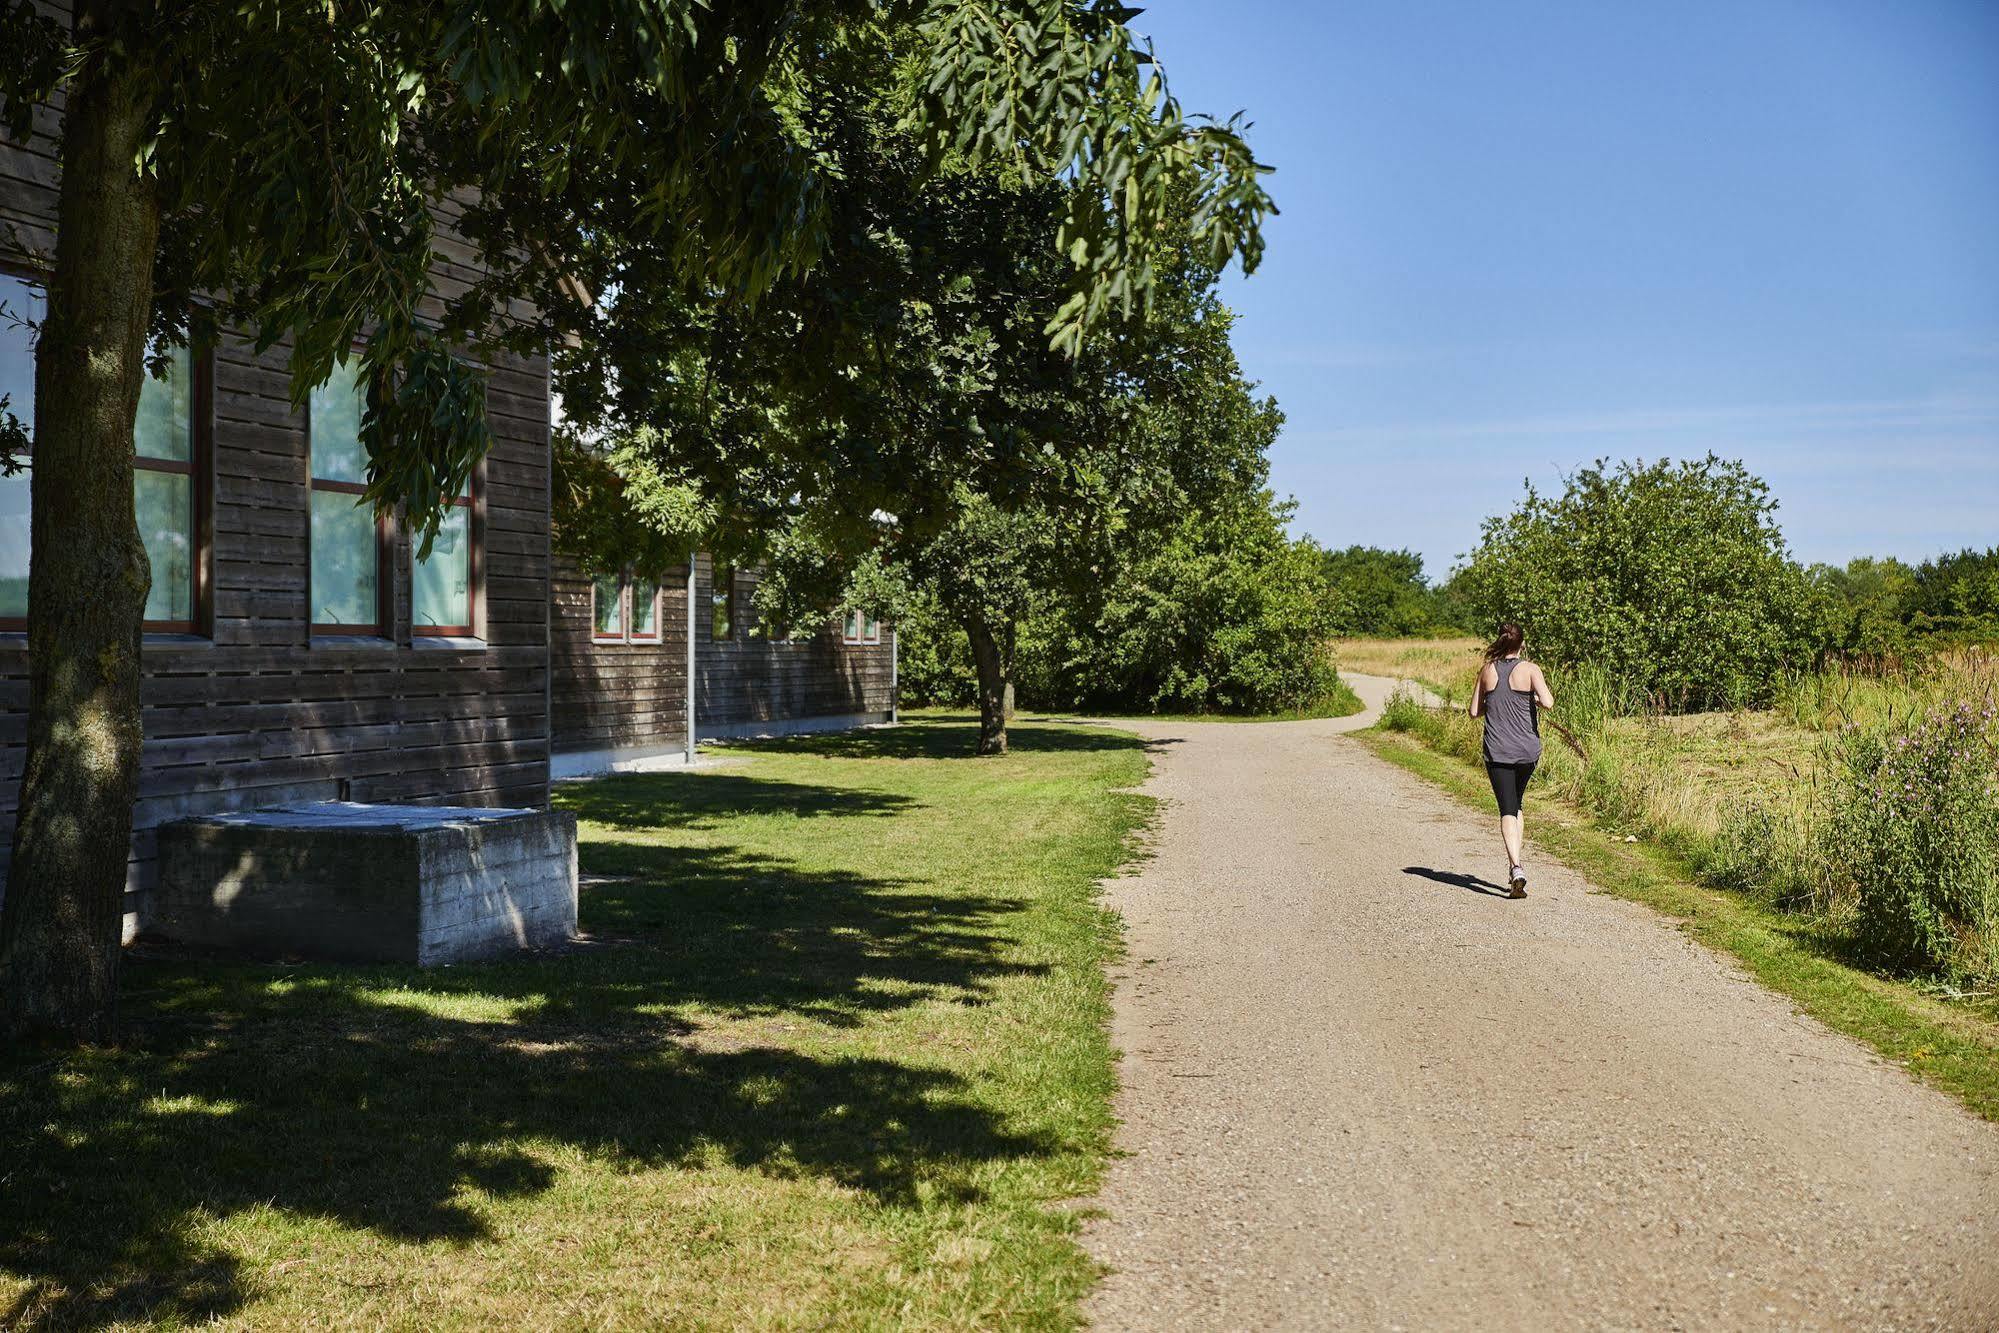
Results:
x,y
164,502
334,413
722,612
343,561
14,546
610,610
645,609
21,312
164,428
443,583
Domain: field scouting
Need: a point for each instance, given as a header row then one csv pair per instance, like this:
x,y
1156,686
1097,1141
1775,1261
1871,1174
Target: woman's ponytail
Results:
x,y
1508,643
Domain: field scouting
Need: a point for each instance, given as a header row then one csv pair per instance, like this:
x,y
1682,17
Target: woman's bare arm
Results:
x,y
1542,694
1478,689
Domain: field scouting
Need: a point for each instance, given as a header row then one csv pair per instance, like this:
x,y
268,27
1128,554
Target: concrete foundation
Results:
x,y
574,764
370,883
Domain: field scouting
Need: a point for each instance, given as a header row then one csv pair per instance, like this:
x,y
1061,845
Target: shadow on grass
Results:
x,y
949,736
390,1099
696,800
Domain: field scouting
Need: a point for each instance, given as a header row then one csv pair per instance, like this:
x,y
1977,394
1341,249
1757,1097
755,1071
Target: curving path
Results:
x,y
1360,1093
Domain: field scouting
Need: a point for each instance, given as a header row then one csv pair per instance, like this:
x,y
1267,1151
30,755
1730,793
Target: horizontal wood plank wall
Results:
x,y
608,696
752,678
259,714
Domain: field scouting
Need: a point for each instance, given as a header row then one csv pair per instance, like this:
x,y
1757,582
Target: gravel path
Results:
x,y
1359,1093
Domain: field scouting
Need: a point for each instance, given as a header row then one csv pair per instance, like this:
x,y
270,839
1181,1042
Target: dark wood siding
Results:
x,y
259,713
752,678
611,696
632,697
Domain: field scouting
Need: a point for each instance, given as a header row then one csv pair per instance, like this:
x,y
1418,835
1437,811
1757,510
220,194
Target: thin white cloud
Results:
x,y
1773,420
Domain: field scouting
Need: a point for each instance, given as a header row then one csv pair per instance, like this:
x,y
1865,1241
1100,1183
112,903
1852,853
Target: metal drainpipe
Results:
x,y
690,655
894,674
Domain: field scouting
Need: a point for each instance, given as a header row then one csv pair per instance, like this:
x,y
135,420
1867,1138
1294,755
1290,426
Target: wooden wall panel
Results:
x,y
616,695
628,695
751,678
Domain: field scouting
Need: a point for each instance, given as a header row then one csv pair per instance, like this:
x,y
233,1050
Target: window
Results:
x,y
443,586
607,616
645,610
347,538
167,452
20,318
163,493
624,609
860,627
722,604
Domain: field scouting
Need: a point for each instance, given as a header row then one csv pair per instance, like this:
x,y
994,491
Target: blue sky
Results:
x,y
1518,236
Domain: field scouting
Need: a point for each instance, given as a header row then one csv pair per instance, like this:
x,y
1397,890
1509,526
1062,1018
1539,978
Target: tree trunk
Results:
x,y
993,652
60,925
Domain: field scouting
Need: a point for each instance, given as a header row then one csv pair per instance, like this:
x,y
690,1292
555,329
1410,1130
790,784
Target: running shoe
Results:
x,y
1516,880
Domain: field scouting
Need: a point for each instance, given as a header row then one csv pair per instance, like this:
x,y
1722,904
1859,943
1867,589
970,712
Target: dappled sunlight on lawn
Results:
x,y
762,1005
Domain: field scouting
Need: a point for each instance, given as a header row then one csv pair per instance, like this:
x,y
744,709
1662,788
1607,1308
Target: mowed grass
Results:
x,y
832,1056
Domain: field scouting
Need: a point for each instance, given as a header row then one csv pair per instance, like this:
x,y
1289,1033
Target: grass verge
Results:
x,y
834,1048
1951,1046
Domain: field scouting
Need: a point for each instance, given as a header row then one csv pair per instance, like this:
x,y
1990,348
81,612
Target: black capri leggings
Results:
x,y
1509,784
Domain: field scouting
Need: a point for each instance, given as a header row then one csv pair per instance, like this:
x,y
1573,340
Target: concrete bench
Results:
x,y
370,883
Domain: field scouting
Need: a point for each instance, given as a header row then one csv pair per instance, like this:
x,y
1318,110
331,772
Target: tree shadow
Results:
x,y
1458,880
945,736
696,799
396,1099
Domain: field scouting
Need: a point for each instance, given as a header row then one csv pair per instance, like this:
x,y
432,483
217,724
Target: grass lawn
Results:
x,y
1953,1045
833,1054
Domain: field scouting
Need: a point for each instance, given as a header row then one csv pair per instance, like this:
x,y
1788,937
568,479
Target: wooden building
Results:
x,y
296,649
624,651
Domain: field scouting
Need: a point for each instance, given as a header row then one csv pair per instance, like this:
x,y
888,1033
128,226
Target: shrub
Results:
x,y
1672,576
1915,834
1228,614
1402,712
933,657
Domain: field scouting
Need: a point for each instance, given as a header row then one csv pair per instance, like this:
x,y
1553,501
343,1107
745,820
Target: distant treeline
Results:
x,y
1873,606
1673,578
1881,607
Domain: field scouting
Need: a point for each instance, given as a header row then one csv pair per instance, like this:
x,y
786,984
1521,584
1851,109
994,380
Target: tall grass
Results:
x,y
1790,804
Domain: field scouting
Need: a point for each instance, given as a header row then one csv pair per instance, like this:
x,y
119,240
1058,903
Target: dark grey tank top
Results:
x,y
1512,720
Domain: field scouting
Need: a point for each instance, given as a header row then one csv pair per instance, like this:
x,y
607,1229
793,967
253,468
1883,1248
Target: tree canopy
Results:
x,y
1674,576
301,171
303,154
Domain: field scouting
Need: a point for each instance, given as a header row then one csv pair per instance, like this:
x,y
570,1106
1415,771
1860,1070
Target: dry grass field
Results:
x,y
1438,663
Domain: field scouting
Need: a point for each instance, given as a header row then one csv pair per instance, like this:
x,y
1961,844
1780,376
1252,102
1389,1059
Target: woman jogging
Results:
x,y
1509,695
